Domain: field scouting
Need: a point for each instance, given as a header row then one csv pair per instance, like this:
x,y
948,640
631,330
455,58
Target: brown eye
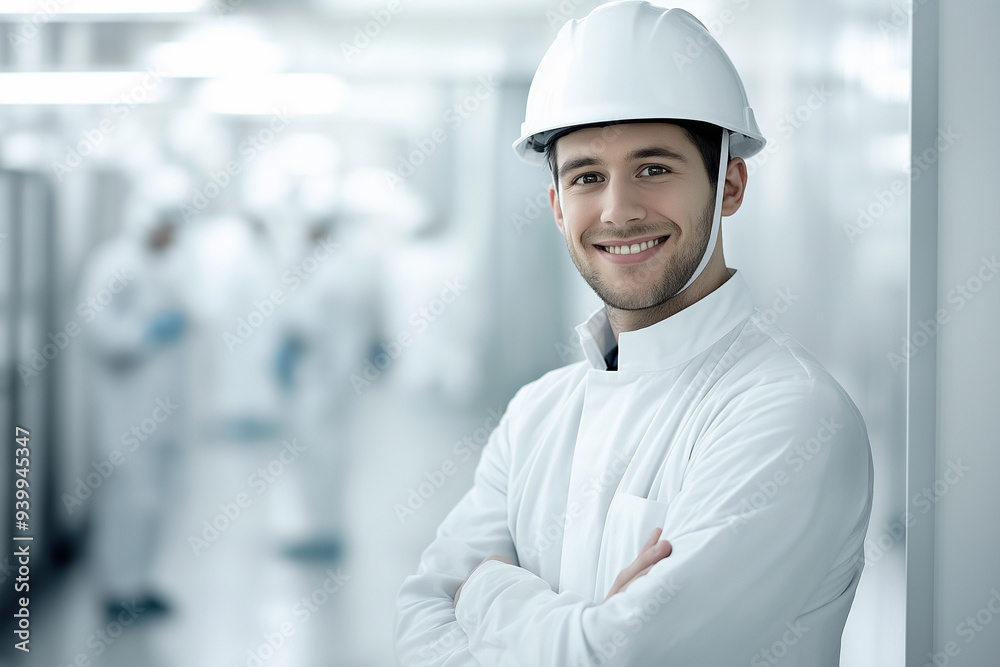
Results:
x,y
655,170
586,179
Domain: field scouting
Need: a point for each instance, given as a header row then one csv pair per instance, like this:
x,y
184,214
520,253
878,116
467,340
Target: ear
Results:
x,y
736,183
556,209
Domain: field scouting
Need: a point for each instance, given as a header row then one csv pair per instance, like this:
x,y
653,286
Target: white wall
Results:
x,y
967,539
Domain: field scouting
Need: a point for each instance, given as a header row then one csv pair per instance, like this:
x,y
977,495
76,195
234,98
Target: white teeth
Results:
x,y
630,249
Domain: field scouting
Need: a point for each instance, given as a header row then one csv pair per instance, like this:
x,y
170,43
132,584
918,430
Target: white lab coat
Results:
x,y
717,427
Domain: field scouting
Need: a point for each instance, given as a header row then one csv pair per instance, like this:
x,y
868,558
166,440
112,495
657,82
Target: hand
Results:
x,y
459,591
289,353
652,553
166,327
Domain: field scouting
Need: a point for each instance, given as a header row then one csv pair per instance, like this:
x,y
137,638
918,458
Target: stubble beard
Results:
x,y
675,275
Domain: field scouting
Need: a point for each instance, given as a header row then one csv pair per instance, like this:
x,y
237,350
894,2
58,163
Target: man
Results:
x,y
692,419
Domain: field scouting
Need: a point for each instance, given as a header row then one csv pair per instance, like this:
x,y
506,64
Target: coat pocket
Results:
x,y
630,523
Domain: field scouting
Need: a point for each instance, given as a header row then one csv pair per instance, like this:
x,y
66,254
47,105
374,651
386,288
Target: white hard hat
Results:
x,y
631,60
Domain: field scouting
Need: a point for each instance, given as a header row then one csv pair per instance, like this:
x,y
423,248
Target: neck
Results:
x,y
710,280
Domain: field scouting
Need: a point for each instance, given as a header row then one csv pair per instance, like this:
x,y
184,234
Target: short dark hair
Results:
x,y
705,136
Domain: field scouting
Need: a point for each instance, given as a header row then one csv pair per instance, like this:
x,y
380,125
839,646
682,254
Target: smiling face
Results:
x,y
635,208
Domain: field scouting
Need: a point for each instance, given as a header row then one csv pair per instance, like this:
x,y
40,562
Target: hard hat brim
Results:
x,y
531,148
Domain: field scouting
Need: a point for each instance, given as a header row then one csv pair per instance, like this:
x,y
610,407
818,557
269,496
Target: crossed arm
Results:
x,y
469,604
652,552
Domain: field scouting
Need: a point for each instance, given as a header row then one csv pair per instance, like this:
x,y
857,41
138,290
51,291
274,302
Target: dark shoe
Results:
x,y
316,550
136,610
154,605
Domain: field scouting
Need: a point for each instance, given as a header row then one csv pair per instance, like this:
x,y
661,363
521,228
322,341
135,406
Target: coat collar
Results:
x,y
674,340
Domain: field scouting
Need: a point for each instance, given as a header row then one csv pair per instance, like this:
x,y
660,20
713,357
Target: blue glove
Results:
x,y
166,327
289,353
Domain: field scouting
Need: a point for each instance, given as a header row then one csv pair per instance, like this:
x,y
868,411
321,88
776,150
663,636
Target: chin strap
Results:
x,y
716,214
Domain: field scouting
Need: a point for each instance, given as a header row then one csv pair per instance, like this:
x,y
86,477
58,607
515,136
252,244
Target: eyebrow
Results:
x,y
638,154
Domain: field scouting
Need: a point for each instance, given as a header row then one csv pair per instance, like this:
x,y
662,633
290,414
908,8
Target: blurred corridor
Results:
x,y
239,594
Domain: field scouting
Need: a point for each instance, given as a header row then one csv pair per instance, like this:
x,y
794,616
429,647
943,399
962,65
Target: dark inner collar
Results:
x,y
611,358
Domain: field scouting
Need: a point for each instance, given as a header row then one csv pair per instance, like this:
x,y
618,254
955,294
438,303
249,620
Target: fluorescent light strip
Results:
x,y
54,8
289,93
78,87
264,94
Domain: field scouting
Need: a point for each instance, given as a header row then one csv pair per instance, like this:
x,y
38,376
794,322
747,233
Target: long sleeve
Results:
x,y
426,631
117,335
767,533
112,312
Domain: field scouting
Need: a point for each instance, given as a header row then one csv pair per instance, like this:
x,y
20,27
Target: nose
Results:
x,y
621,202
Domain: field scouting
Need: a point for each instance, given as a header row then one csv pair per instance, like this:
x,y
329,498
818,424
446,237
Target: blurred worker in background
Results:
x,y
238,301
426,349
136,347
329,326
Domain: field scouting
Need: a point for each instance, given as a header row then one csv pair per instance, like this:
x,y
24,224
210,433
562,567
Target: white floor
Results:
x,y
234,599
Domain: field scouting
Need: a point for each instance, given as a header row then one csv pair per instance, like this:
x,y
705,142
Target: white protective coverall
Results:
x,y
717,427
238,276
137,384
331,314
